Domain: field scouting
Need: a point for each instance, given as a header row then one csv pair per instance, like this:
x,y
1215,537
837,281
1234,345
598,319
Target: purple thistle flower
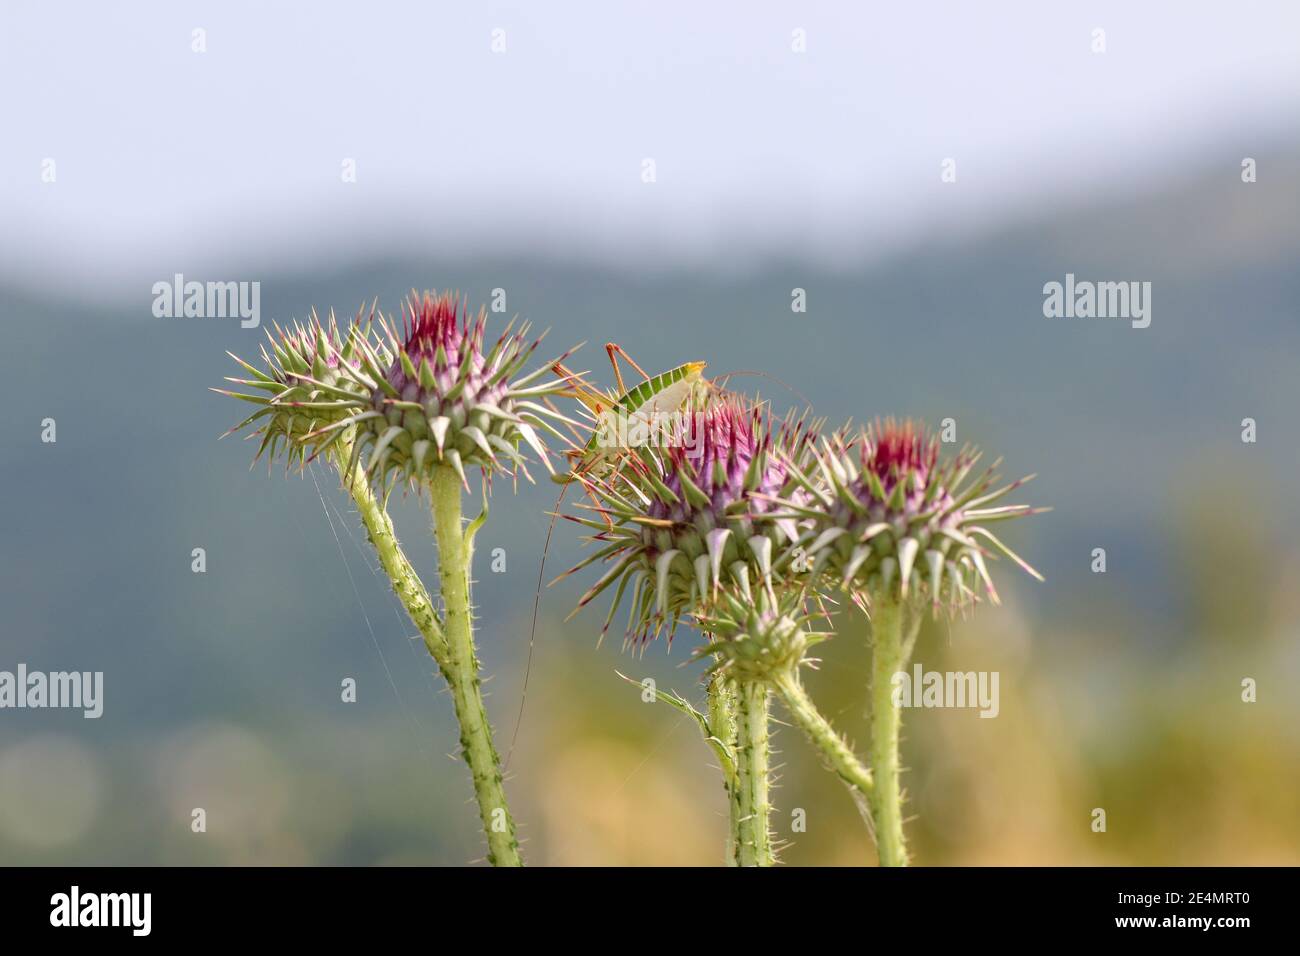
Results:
x,y
890,519
439,395
433,395
695,517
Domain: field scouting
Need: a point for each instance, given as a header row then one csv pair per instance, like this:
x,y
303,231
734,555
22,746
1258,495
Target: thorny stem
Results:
x,y
406,583
447,646
722,724
887,658
455,552
836,752
753,843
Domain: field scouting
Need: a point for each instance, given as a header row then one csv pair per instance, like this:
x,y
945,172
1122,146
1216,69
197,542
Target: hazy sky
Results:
x,y
237,154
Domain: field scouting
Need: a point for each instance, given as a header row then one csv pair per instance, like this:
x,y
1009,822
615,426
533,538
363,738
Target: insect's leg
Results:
x,y
618,373
615,350
609,522
579,388
580,473
559,369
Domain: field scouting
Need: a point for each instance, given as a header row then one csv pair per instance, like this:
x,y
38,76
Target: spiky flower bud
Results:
x,y
688,517
892,520
756,640
304,389
438,395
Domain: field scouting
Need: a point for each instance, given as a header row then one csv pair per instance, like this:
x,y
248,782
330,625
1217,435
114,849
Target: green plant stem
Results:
x,y
406,583
886,801
836,752
753,843
722,725
454,556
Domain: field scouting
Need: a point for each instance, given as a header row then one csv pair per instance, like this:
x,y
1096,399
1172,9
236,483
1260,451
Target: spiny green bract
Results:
x,y
687,518
438,396
432,395
888,519
762,636
304,389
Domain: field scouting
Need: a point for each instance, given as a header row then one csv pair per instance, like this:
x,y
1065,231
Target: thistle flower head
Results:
x,y
439,395
721,454
892,520
304,387
434,394
696,514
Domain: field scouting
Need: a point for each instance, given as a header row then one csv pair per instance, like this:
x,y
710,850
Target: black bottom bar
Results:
x,y
335,905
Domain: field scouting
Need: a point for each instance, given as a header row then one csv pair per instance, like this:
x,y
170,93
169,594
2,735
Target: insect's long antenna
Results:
x,y
532,632
721,380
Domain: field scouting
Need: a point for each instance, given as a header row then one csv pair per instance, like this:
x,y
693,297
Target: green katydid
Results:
x,y
663,394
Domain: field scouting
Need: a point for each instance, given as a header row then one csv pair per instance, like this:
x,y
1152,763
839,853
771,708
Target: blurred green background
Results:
x,y
1119,690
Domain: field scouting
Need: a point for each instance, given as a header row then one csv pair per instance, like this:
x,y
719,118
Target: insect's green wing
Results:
x,y
637,398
